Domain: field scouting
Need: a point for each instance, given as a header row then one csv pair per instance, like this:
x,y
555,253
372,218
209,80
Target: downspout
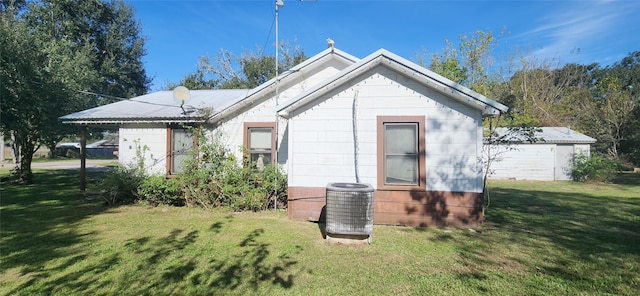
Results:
x,y
355,135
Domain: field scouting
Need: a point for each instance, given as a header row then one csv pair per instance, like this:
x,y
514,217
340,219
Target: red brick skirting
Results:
x,y
412,208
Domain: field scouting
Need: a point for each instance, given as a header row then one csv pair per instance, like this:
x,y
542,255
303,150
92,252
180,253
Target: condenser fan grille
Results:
x,y
349,209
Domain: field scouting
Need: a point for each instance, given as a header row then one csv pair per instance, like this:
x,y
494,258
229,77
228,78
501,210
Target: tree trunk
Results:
x,y
15,147
53,153
25,175
24,148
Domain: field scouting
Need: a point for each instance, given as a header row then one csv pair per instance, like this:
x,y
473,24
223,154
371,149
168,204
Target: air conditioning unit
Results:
x,y
349,209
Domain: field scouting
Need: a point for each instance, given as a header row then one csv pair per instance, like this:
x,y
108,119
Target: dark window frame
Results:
x,y
170,151
246,139
382,121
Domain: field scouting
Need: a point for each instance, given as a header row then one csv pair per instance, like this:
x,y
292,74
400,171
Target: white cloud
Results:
x,y
589,27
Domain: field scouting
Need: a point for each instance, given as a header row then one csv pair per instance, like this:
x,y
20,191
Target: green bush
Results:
x,y
592,168
243,189
212,177
215,178
274,182
158,190
120,185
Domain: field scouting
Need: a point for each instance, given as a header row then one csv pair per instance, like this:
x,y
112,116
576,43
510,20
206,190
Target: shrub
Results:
x,y
120,185
593,169
275,185
214,178
158,190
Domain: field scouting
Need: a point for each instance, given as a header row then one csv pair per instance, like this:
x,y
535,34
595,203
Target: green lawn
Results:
x,y
539,238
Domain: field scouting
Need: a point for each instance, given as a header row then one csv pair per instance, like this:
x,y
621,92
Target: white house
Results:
x,y
412,134
547,159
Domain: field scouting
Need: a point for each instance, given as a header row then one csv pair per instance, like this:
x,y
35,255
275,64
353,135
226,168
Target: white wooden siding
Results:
x,y
564,157
525,162
582,148
151,141
321,145
231,132
542,162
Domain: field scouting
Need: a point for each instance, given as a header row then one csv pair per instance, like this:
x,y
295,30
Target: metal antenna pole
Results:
x,y
279,3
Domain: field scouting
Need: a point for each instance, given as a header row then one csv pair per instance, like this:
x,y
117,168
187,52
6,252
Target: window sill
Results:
x,y
383,187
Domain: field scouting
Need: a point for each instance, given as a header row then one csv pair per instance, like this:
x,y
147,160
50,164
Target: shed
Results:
x,y
384,120
548,158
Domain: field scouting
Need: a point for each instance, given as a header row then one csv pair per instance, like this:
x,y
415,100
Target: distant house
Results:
x,y
547,159
383,120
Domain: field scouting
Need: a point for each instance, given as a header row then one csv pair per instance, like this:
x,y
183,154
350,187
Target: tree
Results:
x,y
471,64
250,68
543,94
62,51
21,80
630,143
194,81
8,5
476,51
445,63
627,71
607,113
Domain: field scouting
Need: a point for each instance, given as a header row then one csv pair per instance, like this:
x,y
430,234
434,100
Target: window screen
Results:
x,y
260,145
181,147
401,153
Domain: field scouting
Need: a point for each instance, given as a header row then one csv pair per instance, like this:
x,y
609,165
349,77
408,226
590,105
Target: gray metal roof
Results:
x,y
158,107
547,135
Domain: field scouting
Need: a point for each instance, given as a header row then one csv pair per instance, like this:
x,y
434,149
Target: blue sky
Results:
x,y
179,32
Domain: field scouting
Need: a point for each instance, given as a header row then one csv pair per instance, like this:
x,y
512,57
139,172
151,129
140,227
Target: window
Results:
x,y
181,143
260,142
401,155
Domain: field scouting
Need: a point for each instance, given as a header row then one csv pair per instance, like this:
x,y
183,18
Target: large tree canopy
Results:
x,y
246,70
55,55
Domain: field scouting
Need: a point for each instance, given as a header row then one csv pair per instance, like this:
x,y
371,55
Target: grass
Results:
x,y
539,238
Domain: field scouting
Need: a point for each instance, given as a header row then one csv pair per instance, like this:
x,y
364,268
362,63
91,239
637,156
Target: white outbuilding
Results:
x,y
548,158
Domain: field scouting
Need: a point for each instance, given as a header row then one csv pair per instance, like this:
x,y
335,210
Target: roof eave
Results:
x,y
101,121
441,84
270,85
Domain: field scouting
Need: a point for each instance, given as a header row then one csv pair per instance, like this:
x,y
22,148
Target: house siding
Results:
x,y
322,145
231,132
149,140
322,151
